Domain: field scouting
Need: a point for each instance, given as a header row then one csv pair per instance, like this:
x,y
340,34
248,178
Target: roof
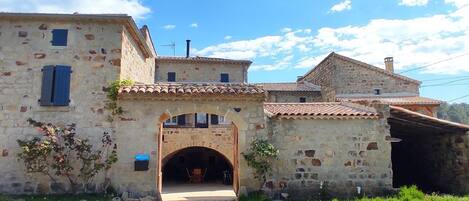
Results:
x,y
289,86
198,59
364,65
408,100
192,89
415,118
116,18
320,110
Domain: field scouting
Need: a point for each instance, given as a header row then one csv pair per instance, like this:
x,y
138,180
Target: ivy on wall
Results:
x,y
112,93
260,156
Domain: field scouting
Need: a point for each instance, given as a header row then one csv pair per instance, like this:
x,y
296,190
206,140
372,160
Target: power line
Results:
x,y
445,83
437,62
448,78
461,84
467,95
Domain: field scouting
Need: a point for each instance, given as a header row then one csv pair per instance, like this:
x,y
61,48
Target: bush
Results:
x,y
410,193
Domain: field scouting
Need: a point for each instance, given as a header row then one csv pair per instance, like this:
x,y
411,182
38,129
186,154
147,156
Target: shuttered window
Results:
x,y
55,89
59,37
214,119
224,77
182,119
171,77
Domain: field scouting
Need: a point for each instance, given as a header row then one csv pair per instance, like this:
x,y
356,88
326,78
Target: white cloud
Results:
x,y
344,5
458,3
286,29
169,26
194,25
228,37
133,8
413,2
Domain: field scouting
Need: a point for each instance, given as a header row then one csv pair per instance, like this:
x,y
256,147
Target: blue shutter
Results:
x,y
214,119
61,95
171,77
224,77
47,85
59,37
181,119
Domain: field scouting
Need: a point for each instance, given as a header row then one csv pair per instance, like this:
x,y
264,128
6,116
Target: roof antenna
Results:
x,y
172,45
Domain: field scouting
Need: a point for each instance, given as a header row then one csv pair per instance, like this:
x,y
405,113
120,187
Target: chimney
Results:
x,y
299,77
389,64
188,47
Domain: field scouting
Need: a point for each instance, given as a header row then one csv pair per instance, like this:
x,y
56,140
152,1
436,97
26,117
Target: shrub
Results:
x,y
410,193
260,157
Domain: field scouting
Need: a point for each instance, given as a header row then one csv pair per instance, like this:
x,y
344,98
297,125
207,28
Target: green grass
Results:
x,y
87,197
412,193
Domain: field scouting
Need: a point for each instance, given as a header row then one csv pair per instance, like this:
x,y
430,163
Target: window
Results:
x,y
377,91
59,37
171,121
171,77
201,120
55,89
217,119
224,77
302,99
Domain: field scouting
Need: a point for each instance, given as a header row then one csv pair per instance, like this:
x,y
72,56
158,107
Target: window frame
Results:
x,y
49,94
170,121
168,76
67,42
224,75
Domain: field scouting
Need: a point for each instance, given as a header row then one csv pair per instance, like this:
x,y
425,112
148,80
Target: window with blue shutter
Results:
x,y
214,119
224,77
61,96
47,86
171,77
59,37
55,90
181,119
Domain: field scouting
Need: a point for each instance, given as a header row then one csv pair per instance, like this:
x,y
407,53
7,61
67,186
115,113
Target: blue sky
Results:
x,y
285,39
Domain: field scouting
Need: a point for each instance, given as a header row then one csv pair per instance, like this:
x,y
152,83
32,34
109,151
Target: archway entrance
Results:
x,y
197,165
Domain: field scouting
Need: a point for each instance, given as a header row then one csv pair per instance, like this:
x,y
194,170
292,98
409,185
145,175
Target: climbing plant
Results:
x,y
112,93
260,156
59,152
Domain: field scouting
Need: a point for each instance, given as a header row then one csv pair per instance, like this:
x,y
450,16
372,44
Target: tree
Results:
x,y
58,152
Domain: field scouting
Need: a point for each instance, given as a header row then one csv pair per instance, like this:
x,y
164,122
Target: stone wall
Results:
x,y
219,139
94,54
199,72
141,126
346,77
340,154
293,96
134,65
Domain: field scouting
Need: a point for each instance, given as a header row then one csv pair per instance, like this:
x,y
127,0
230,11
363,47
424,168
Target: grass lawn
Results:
x,y
87,197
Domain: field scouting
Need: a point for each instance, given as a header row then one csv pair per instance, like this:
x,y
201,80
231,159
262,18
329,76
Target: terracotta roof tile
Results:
x,y
406,100
321,110
289,86
401,113
198,59
193,89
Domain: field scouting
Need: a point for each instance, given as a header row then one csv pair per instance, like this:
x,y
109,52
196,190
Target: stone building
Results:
x,y
345,124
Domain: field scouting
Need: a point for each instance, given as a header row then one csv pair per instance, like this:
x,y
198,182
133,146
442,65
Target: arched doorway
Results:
x,y
184,165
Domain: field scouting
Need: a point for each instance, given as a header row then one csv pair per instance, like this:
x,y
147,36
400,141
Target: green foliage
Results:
x,y
260,157
59,151
112,93
410,193
88,197
457,112
256,196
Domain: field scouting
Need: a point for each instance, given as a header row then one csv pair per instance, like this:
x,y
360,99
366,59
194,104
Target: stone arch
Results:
x,y
170,155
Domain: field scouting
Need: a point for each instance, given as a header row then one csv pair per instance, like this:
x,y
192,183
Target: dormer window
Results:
x,y
377,91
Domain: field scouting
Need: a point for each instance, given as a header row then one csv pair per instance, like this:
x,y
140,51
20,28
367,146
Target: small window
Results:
x,y
59,37
171,77
377,91
224,77
55,89
302,100
171,121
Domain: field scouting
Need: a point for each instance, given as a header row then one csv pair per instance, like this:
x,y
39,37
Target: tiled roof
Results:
x,y
289,86
407,100
364,65
205,89
417,118
198,59
320,110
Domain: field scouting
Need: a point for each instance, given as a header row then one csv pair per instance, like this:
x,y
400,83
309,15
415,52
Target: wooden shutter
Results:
x,y
62,85
224,77
59,37
181,119
214,119
47,85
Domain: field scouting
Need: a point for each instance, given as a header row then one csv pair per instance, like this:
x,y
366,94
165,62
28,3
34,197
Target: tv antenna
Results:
x,y
172,45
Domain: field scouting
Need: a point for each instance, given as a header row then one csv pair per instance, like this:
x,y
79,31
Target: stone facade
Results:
x,y
94,52
340,154
200,71
338,75
293,96
134,65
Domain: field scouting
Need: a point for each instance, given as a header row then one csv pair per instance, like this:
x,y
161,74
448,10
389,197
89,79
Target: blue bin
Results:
x,y
141,162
